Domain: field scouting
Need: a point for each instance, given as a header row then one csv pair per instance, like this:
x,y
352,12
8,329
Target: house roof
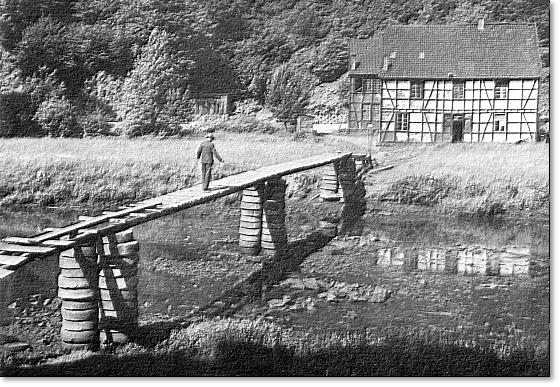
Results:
x,y
497,51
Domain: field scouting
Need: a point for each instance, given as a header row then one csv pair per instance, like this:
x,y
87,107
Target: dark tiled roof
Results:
x,y
497,51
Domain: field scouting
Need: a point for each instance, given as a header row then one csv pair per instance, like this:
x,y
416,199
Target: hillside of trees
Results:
x,y
68,67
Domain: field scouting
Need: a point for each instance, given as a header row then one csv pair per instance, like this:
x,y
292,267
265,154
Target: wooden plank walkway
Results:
x,y
16,251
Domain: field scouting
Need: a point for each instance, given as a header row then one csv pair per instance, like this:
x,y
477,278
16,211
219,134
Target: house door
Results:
x,y
458,127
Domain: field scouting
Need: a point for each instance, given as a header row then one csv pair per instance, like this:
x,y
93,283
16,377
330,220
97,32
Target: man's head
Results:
x,y
210,136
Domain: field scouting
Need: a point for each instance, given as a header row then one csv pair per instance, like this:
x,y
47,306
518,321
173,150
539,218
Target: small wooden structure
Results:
x,y
98,256
304,123
446,83
212,105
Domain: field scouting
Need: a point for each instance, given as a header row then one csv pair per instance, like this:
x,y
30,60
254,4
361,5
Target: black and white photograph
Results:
x,y
275,188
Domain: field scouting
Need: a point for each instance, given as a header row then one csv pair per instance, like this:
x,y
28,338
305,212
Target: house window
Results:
x,y
367,85
357,83
366,112
499,123
363,85
416,90
377,86
458,90
501,89
402,122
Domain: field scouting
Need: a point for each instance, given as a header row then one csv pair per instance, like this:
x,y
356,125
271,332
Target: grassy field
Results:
x,y
457,179
105,171
466,179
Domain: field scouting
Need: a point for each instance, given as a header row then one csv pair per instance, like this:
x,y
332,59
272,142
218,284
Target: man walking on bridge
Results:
x,y
205,153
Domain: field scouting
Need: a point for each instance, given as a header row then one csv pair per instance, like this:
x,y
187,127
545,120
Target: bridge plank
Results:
x,y
16,248
88,223
61,243
20,240
13,261
5,273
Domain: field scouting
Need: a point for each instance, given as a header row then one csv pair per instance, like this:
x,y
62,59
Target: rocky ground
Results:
x,y
326,285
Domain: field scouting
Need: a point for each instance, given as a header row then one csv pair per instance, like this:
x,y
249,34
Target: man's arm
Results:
x,y
216,154
199,151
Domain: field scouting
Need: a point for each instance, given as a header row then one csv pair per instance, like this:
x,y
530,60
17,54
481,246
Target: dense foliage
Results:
x,y
140,61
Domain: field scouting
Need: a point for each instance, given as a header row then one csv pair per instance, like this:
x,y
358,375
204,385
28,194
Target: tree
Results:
x,y
57,117
17,15
289,91
155,94
330,60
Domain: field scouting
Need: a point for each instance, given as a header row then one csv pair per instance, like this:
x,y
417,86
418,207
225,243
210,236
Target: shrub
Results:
x,y
246,125
161,128
473,207
238,124
289,92
57,118
423,190
96,124
330,61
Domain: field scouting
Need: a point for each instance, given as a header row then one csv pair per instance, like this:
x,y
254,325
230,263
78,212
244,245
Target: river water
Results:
x,y
435,268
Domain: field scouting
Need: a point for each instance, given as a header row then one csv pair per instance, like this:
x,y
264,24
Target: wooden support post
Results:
x,y
118,285
250,224
329,184
77,287
6,284
274,240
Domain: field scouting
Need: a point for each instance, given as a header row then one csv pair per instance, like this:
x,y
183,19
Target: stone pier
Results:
x,y
78,290
274,239
353,195
250,224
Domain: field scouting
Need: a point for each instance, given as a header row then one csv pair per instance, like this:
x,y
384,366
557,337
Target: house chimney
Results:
x,y
481,24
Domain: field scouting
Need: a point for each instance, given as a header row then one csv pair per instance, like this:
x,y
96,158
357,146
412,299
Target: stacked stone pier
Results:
x,y
79,293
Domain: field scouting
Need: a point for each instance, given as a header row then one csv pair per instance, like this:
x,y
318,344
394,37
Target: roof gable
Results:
x,y
435,51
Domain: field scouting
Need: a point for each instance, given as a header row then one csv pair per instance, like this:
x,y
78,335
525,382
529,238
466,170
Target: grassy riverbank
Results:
x,y
480,180
108,172
232,347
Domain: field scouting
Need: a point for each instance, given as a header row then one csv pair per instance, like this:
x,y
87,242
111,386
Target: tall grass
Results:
x,y
471,179
105,171
257,347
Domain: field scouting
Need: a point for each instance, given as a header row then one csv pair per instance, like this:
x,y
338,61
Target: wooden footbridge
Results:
x,y
98,256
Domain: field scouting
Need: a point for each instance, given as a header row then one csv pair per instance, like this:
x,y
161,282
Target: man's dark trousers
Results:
x,y
206,174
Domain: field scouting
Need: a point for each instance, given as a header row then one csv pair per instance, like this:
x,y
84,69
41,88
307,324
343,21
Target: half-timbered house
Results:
x,y
446,83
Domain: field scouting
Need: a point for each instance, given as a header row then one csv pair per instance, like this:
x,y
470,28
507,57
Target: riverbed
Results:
x,y
403,268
